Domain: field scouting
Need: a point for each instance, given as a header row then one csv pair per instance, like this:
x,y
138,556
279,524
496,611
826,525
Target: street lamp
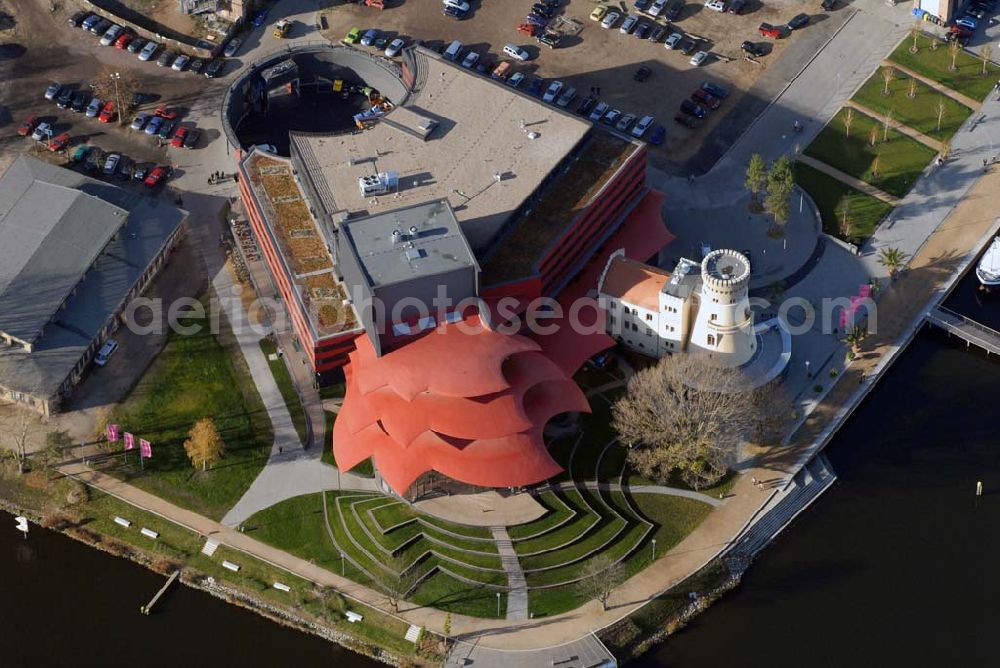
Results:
x,y
118,98
807,369
343,571
654,549
498,604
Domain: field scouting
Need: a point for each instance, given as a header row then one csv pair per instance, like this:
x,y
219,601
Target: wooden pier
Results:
x,y
148,608
965,328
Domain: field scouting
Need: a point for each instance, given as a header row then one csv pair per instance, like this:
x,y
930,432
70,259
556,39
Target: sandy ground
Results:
x,y
603,58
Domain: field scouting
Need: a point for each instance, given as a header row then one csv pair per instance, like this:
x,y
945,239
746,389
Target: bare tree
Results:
x,y
911,91
601,575
848,119
888,122
875,164
846,222
116,85
953,50
873,136
914,33
935,43
941,108
398,578
673,427
945,148
986,53
16,426
888,76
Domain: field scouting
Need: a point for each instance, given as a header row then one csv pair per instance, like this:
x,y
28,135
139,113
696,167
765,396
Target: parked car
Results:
x,y
123,41
111,34
642,74
642,30
828,5
165,58
516,52
737,6
566,97
124,168
90,21
76,19
191,140
80,100
658,33
213,69
166,129
369,37
106,351
111,163
552,92
657,8
179,136
753,49
136,45
80,153
625,122
94,160
456,13
395,46
100,27
628,25
42,132
543,10
470,59
59,143
642,5
196,65
107,113
698,59
180,63
658,135
687,46
140,171
599,13
535,86
259,18
27,126
714,89
353,36
515,79
153,126
768,30
689,107
65,99
716,5
139,122
598,111
52,92
94,108
550,38
798,21
969,22
149,50
232,47
673,40
642,126
687,121
609,20
163,112
586,105
156,176
674,11
536,20
706,99
611,117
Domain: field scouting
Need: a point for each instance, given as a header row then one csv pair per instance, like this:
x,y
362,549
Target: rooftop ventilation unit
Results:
x,y
378,184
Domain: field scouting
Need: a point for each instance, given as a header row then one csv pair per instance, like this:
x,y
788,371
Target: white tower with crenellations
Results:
x,y
723,327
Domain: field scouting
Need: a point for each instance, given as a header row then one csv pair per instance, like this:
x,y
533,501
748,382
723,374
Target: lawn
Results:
x,y
919,113
283,380
935,64
831,197
900,159
195,377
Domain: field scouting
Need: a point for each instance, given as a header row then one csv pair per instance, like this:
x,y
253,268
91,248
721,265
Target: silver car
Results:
x,y
149,51
233,46
180,63
94,108
111,34
111,163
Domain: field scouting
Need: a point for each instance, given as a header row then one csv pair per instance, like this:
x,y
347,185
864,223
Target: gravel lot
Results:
x,y
606,58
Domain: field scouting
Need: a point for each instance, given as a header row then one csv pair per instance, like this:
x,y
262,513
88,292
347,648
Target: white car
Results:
x,y
395,46
699,58
628,25
180,63
42,132
552,92
111,163
516,52
599,111
566,97
658,8
471,58
672,41
460,5
716,5
642,126
610,19
148,51
106,351
111,34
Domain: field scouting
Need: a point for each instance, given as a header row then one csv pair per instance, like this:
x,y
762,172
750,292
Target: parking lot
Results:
x,y
57,52
606,58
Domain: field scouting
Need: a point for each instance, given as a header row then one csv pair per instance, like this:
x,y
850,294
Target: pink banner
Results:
x,y
865,291
112,433
145,448
129,441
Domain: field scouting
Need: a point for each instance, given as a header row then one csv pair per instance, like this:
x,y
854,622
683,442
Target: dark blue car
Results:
x,y
535,87
259,19
659,133
643,5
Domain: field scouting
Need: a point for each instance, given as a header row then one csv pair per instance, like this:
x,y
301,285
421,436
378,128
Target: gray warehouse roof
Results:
x,y
148,224
50,233
403,244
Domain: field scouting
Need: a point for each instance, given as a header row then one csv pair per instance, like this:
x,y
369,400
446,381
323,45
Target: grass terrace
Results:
x,y
300,243
555,209
900,159
832,197
935,64
920,112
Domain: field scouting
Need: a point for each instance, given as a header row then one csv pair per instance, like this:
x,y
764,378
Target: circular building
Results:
x,y
723,327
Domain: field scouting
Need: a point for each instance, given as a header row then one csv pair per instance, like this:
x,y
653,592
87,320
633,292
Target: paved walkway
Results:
x,y
944,90
895,124
517,594
847,179
638,489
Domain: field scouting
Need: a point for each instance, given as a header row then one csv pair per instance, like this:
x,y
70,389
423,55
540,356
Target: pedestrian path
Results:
x,y
894,124
847,179
569,486
517,586
969,102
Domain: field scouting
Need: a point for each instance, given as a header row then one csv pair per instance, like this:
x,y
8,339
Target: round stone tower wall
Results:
x,y
723,327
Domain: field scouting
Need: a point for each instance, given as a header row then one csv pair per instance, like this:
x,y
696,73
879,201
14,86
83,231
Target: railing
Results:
x,y
962,326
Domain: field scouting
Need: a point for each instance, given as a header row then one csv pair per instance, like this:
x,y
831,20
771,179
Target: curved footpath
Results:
x,y
916,227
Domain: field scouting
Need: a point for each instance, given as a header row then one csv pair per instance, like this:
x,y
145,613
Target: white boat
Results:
x,y
988,269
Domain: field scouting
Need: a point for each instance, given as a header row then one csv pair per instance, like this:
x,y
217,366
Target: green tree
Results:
x,y
892,259
854,336
780,184
204,446
756,176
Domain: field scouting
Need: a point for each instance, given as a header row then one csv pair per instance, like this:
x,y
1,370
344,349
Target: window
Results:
x,y
641,346
635,311
614,305
711,339
649,316
635,327
611,319
713,317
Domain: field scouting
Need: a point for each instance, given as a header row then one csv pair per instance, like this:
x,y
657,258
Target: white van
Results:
x,y
516,52
106,351
451,53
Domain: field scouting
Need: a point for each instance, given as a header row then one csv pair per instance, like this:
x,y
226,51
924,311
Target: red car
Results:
x,y
768,30
29,125
107,113
123,40
163,112
155,176
59,143
179,137
706,99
